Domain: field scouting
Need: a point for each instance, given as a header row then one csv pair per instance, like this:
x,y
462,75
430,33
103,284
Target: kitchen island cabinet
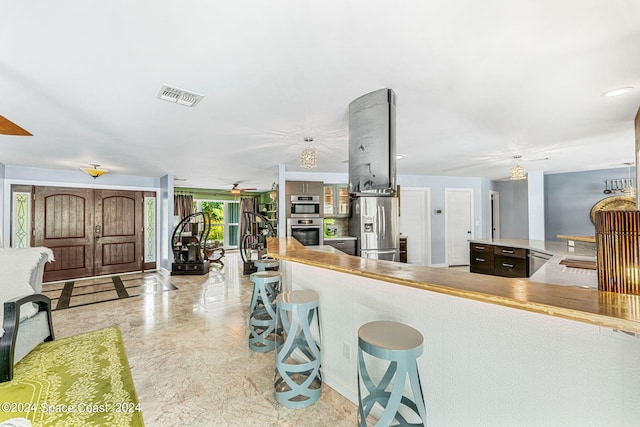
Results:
x,y
344,244
509,351
506,261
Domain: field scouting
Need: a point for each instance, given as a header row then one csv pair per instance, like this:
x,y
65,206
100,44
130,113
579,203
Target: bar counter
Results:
x,y
497,351
611,310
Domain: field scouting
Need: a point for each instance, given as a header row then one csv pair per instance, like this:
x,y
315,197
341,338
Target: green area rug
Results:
x,y
82,380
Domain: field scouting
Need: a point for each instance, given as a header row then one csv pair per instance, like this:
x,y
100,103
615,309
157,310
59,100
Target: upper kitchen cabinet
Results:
x,y
336,200
313,188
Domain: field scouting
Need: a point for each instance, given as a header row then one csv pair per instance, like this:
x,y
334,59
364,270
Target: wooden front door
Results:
x,y
63,221
118,231
91,232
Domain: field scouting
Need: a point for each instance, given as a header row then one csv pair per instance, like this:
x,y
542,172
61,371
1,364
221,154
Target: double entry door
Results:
x,y
91,232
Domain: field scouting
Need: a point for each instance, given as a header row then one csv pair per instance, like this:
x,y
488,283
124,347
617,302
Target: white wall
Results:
x,y
483,364
535,182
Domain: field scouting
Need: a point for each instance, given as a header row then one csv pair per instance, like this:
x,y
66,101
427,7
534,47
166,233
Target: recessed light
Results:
x,y
399,156
617,92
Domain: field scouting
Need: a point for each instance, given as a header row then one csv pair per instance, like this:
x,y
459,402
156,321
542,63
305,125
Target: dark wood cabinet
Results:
x,y
498,260
348,246
481,258
403,249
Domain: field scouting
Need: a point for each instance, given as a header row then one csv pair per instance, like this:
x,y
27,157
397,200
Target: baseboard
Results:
x,y
439,265
339,386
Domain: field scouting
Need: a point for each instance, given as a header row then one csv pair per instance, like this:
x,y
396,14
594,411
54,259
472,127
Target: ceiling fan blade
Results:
x,y
7,127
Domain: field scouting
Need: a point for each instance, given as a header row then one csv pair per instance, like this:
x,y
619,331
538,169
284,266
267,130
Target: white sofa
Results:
x,y
25,312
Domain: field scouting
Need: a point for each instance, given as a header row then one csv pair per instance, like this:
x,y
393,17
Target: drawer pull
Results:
x,y
480,248
504,264
480,259
506,251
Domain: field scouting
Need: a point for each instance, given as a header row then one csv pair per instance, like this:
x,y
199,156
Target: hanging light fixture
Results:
x,y
93,171
628,188
518,171
309,155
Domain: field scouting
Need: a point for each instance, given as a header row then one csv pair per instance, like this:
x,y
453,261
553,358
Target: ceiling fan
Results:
x,y
7,127
236,190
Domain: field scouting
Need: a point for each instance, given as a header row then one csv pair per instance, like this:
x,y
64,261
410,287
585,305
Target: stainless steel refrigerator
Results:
x,y
374,221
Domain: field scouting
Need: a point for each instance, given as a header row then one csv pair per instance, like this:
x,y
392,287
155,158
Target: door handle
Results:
x,y
98,230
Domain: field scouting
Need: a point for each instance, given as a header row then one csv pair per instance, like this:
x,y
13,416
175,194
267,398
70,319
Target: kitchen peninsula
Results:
x,y
498,351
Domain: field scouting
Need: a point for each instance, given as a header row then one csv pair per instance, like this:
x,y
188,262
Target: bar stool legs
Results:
x,y
400,345
263,335
297,379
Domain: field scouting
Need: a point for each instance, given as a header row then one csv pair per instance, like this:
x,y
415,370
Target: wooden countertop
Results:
x,y
588,239
608,309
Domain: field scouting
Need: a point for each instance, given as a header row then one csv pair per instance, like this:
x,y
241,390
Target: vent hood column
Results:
x,y
372,144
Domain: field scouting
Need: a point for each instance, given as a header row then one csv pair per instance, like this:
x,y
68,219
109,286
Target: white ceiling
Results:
x,y
477,82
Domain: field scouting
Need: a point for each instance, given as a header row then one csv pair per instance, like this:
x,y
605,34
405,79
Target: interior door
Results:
x,y
118,231
63,221
459,226
415,223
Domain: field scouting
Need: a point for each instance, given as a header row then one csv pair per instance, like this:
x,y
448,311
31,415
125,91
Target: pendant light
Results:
x,y
93,171
309,155
518,171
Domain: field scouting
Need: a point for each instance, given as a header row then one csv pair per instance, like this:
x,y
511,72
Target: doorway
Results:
x,y
91,232
495,215
458,224
415,223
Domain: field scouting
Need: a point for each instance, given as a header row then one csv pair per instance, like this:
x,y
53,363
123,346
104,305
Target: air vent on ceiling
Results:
x,y
179,96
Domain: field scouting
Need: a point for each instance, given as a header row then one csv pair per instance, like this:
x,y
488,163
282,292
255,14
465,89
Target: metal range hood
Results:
x,y
372,144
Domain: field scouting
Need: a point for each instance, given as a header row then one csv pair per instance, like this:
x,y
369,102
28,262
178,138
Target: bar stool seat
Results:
x,y
263,335
401,345
265,263
298,381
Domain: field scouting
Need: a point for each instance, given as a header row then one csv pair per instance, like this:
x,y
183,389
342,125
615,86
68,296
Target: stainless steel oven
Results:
x,y
305,206
307,231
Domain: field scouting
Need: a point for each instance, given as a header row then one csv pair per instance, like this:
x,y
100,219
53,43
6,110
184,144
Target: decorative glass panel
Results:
x,y
21,220
149,229
233,235
233,215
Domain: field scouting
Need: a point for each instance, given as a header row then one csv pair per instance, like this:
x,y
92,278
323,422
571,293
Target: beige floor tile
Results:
x,y
189,354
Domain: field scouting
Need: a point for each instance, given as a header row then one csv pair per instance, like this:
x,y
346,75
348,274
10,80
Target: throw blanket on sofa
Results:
x,y
17,267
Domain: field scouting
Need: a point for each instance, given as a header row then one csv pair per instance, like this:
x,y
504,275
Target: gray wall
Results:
x,y
514,209
569,198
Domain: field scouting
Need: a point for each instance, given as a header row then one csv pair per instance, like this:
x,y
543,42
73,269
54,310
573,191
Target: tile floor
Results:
x,y
190,360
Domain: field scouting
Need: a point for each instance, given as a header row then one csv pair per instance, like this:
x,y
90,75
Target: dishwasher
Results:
x,y
537,260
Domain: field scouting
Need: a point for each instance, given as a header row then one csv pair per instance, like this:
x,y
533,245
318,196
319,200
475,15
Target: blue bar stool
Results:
x,y
298,381
266,263
263,334
401,345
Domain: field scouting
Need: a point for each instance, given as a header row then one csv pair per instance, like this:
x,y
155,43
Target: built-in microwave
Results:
x,y
305,206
